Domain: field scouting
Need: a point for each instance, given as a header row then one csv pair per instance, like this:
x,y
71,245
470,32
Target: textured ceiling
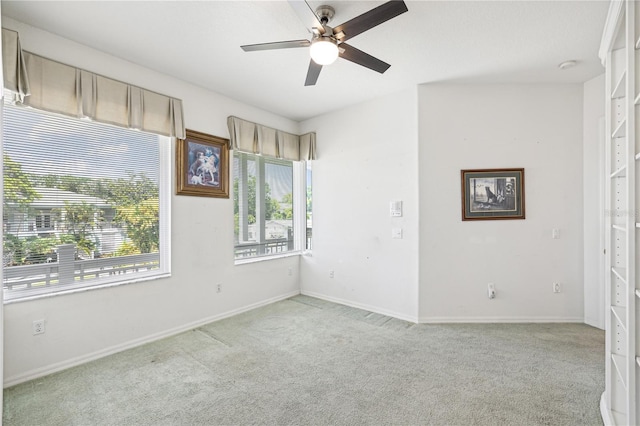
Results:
x,y
436,41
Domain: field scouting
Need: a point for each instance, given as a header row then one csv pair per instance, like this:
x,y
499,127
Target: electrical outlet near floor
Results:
x,y
38,327
557,288
290,271
219,288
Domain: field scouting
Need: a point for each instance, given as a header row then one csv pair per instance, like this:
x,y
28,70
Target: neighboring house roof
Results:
x,y
281,223
54,198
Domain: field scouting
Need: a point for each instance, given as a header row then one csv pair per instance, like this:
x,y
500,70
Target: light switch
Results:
x,y
396,233
396,208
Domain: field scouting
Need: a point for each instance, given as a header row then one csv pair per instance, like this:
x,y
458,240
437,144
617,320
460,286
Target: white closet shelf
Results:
x,y
619,228
621,367
620,273
620,314
621,130
621,172
621,86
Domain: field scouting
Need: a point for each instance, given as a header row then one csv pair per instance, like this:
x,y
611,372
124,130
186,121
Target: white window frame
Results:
x,y
164,192
299,212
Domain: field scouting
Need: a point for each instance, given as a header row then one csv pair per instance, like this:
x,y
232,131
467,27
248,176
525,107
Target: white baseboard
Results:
x,y
597,323
73,362
489,320
369,308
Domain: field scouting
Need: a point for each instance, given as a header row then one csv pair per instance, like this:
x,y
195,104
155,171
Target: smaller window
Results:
x,y
264,206
43,220
309,209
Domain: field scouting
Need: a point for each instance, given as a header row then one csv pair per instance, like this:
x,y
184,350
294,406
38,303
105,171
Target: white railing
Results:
x,y
274,246
24,277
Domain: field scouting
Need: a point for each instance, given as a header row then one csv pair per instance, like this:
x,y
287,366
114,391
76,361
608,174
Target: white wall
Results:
x,y
94,323
367,157
538,127
593,193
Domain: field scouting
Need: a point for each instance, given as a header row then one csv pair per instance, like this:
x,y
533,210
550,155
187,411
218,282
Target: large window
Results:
x,y
264,210
85,203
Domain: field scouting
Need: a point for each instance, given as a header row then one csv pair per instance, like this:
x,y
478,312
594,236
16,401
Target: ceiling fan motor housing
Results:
x,y
325,13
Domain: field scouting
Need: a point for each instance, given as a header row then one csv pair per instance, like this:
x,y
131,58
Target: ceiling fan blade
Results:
x,y
370,19
357,56
312,73
306,15
276,45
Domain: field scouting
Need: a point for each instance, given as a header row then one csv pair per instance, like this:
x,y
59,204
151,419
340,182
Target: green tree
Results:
x,y
14,249
128,191
143,224
39,250
272,206
19,193
81,219
18,188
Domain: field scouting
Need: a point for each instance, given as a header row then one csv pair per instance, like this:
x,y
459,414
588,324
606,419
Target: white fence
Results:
x,y
63,272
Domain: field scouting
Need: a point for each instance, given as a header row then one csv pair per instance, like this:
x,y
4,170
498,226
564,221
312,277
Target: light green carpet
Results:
x,y
304,361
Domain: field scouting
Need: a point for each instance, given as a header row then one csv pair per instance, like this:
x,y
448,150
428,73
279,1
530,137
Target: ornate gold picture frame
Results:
x,y
202,165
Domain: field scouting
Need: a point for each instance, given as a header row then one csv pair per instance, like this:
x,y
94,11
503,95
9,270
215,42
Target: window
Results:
x,y
264,210
43,220
309,209
85,204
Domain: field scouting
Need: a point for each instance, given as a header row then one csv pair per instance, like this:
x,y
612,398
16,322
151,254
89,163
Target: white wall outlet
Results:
x,y
331,273
219,288
38,327
557,288
396,233
491,291
290,271
555,233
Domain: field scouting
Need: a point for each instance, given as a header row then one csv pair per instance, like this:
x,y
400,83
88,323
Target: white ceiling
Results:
x,y
435,41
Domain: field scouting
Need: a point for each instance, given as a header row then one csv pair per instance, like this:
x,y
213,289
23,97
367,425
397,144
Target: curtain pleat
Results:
x,y
308,146
13,66
253,138
52,86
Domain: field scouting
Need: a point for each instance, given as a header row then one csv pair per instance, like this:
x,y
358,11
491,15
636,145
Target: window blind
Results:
x,y
84,203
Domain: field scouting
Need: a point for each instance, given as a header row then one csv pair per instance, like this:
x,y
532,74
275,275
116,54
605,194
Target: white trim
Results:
x,y
610,29
254,259
361,306
79,360
83,288
491,320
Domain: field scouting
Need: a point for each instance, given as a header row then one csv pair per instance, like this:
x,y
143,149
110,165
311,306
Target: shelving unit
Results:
x,y
620,52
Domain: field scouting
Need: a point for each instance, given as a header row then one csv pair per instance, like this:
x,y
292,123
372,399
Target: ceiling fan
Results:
x,y
328,43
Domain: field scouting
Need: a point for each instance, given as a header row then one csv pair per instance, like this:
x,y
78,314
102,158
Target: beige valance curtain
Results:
x,y
255,138
13,67
52,86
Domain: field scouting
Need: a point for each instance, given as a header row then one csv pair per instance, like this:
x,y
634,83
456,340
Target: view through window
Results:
x,y
263,205
82,203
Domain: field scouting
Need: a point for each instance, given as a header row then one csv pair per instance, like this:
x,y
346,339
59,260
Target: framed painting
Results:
x,y
491,194
202,165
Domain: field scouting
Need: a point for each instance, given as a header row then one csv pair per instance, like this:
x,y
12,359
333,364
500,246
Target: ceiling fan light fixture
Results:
x,y
324,51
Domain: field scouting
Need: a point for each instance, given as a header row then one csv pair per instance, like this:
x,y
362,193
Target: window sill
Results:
x,y
264,258
72,290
